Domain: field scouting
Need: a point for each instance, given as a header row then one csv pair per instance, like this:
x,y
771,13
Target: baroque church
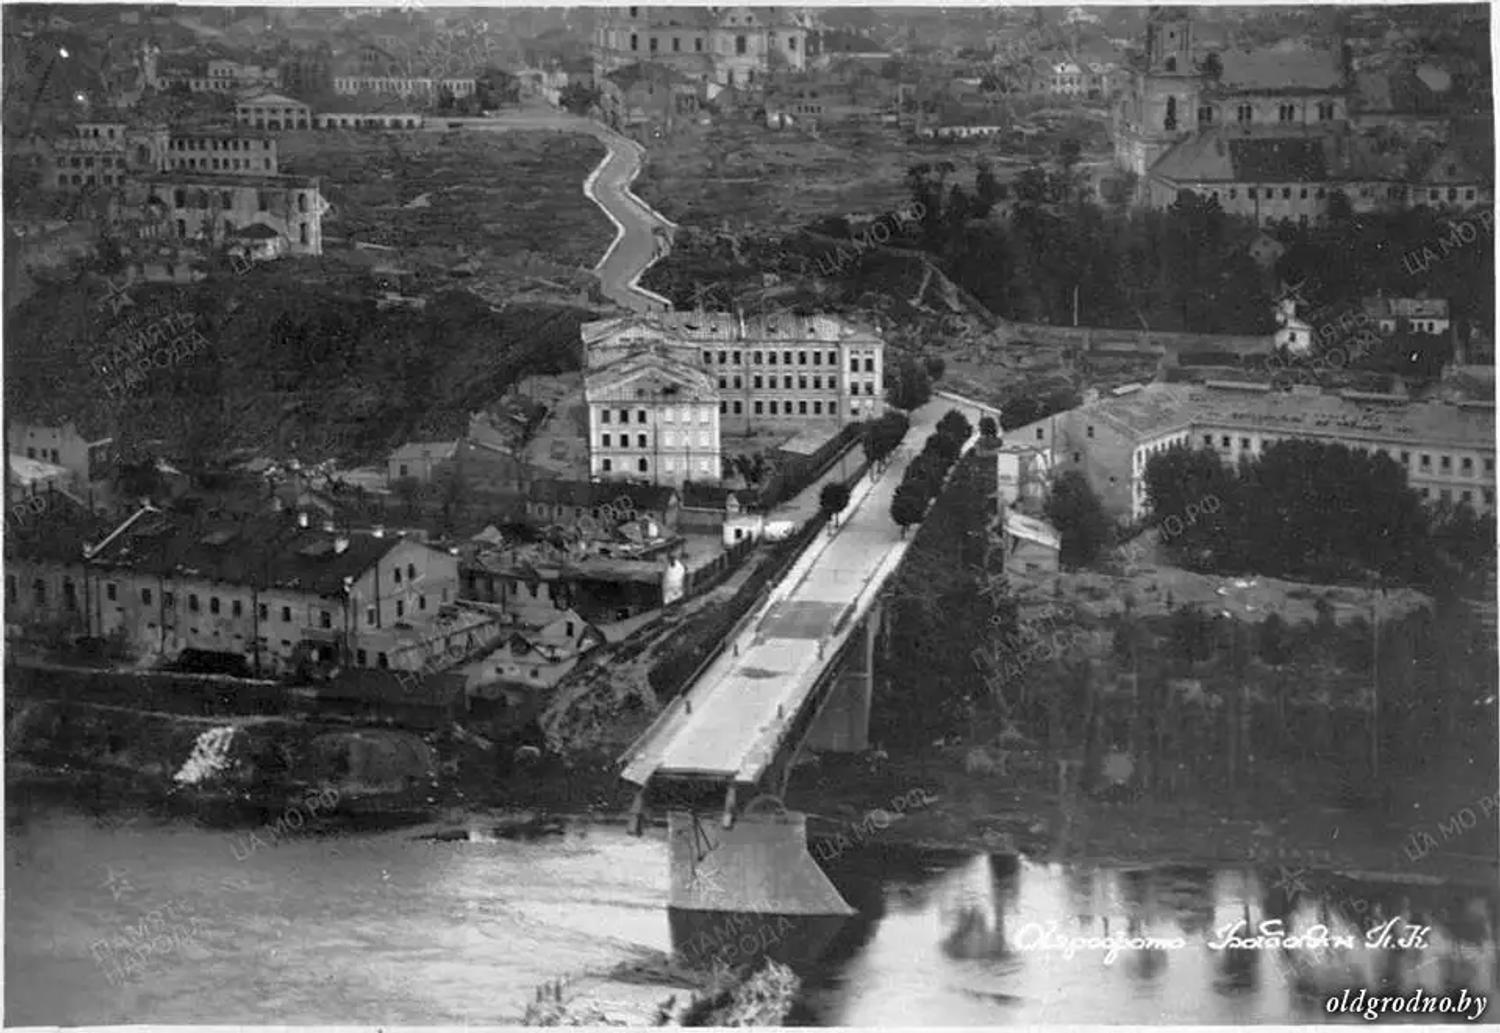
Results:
x,y
1176,93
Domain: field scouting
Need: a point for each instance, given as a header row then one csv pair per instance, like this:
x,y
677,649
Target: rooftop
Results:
x,y
1160,408
1287,67
261,550
219,180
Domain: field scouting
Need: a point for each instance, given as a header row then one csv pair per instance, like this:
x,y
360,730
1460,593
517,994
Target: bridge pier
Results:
x,y
748,891
843,725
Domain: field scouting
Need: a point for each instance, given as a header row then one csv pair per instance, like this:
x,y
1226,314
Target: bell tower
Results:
x,y
1169,41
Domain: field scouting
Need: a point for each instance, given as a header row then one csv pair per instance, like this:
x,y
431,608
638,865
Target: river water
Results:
x,y
380,928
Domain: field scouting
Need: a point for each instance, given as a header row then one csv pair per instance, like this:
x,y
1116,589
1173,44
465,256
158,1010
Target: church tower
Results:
x,y
1161,106
1169,41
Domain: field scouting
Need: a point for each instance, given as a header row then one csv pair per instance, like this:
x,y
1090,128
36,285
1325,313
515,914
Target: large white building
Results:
x,y
725,46
1447,449
767,373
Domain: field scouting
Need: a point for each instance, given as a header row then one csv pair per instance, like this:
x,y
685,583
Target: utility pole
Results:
x,y
1375,683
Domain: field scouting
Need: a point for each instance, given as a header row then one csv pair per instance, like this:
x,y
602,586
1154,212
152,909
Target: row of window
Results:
x,y
216,144
1424,459
758,358
669,414
229,164
741,44
759,382
31,453
670,465
200,199
669,440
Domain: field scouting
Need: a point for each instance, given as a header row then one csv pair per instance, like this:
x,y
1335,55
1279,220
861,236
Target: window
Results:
x,y
723,408
723,383
676,44
770,358
1468,466
640,416
213,604
640,441
606,465
642,465
1244,113
801,383
1091,430
739,44
1286,193
1445,462
1244,443
603,415
802,408
1205,115
1453,193
1405,458
605,441
1325,111
635,42
286,615
759,408
756,381
1250,193
396,575
739,408
1426,461
854,364
870,365
325,619
400,608
1469,194
192,602
1039,434
624,415
786,358
1224,441
773,406
1287,112
698,45
1233,193
653,44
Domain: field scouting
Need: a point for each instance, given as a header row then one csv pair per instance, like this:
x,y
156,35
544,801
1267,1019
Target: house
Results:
x,y
1410,315
84,454
419,460
535,659
257,243
1032,546
1446,448
209,208
273,111
1293,334
1023,475
104,154
268,589
533,584
648,93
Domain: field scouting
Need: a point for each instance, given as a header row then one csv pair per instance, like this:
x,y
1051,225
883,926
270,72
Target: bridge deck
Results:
x,y
742,703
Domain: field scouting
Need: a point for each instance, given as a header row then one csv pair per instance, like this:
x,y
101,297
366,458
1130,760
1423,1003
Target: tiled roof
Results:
x,y
646,72
1295,159
1159,408
1287,67
259,550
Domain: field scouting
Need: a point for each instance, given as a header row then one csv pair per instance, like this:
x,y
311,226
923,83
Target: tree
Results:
x,y
935,366
832,500
578,99
907,507
955,425
988,428
1079,517
907,384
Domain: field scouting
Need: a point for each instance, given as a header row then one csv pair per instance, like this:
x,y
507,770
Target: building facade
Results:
x,y
402,86
730,46
104,154
234,151
1171,96
273,111
214,208
1447,449
688,377
271,590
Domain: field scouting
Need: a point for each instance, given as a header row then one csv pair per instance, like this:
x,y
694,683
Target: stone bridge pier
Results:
x,y
743,880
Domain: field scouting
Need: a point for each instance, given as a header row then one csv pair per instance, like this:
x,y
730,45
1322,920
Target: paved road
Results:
x,y
726,729
635,245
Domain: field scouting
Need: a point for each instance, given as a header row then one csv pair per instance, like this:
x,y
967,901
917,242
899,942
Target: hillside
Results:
x,y
288,359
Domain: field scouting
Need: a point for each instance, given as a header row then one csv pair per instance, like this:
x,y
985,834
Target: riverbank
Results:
x,y
118,759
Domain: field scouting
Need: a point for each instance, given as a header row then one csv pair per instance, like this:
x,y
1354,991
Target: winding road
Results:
x,y
637,224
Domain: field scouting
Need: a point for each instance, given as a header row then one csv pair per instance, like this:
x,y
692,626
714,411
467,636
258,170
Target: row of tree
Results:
x,y
1186,267
1315,511
925,474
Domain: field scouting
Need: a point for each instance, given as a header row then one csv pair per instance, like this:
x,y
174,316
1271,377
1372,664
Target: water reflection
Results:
x,y
1034,946
380,928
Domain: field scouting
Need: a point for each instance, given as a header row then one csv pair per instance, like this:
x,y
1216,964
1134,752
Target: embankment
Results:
x,y
219,768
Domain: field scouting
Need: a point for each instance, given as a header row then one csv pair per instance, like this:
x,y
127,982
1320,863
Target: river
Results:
x,y
379,928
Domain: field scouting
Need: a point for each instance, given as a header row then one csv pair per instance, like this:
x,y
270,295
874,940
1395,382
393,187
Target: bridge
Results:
x,y
797,671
